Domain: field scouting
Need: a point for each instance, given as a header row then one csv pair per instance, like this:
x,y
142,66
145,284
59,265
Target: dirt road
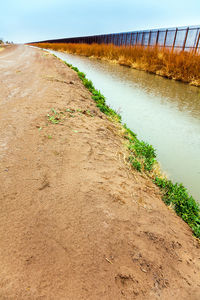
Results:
x,y
75,222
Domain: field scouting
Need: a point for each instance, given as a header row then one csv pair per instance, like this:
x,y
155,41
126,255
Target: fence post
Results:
x,y
174,39
131,39
126,39
122,39
184,43
114,39
165,38
149,38
142,38
136,38
157,37
197,43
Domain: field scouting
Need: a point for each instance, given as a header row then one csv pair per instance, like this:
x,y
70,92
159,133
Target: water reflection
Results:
x,y
183,96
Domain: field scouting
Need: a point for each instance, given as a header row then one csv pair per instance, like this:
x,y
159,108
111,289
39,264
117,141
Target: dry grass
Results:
x,y
183,66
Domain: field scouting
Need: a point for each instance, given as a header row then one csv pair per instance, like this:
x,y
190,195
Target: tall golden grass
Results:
x,y
183,66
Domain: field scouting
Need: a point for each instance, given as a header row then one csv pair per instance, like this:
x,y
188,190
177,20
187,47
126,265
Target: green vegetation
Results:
x,y
184,205
58,117
143,151
143,158
55,117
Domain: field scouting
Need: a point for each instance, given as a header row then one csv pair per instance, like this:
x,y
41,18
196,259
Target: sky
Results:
x,y
24,21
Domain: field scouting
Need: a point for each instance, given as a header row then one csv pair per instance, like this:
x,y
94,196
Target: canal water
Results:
x,y
163,112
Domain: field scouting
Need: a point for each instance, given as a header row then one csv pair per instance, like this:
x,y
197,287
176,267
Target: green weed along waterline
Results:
x,y
143,157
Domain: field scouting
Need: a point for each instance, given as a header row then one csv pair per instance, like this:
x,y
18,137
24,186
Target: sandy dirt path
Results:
x,y
75,222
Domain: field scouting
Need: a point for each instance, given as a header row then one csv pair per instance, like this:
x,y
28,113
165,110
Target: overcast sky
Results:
x,y
34,20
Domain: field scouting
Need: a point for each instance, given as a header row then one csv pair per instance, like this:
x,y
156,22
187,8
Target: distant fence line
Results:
x,y
182,38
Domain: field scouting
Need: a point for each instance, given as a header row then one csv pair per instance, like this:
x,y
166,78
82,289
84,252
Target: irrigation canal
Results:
x,y
162,112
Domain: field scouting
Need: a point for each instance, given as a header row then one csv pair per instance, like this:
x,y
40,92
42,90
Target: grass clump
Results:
x,y
54,117
183,204
135,163
143,151
143,158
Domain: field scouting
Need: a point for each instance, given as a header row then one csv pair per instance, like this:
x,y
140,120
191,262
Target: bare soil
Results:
x,y
75,221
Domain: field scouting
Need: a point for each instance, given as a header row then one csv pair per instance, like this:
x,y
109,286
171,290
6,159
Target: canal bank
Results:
x,y
75,221
163,113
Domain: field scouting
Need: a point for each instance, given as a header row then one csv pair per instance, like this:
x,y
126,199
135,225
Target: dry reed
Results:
x,y
183,66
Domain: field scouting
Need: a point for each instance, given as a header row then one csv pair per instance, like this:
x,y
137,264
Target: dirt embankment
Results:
x,y
75,222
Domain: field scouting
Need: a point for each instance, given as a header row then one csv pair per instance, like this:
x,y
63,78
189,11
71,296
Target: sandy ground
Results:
x,y
75,222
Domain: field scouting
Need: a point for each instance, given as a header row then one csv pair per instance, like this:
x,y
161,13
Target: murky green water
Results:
x,y
162,112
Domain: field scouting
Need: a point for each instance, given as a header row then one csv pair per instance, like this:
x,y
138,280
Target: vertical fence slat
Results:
x,y
174,39
186,35
197,43
118,40
114,39
157,37
126,39
131,39
142,38
165,38
191,39
136,40
123,39
149,38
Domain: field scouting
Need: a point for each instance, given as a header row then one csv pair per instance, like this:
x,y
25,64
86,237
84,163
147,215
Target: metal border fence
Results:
x,y
182,38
